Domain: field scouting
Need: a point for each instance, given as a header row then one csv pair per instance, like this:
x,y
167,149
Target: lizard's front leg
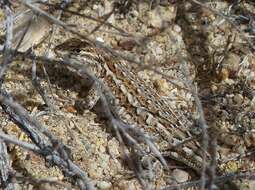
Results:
x,y
90,100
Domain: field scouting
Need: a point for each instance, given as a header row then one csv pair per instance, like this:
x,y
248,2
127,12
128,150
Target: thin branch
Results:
x,y
5,168
7,56
13,140
54,152
201,121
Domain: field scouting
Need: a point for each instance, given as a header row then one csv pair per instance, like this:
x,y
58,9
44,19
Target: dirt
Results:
x,y
221,64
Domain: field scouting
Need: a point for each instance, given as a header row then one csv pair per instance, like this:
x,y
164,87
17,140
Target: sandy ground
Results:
x,y
221,64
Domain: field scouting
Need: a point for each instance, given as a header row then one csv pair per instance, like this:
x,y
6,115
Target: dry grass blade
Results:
x,y
5,168
7,56
13,140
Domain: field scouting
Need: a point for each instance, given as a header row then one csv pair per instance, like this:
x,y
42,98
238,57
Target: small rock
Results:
x,y
107,9
180,175
238,99
177,28
224,74
158,51
229,81
230,140
30,187
99,39
104,185
214,88
252,104
128,185
159,15
162,86
249,139
46,186
127,44
241,149
94,170
113,148
252,184
95,7
102,149
17,186
232,166
70,109
224,152
231,63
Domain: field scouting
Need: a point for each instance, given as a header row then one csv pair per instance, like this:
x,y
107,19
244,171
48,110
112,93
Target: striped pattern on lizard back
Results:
x,y
136,101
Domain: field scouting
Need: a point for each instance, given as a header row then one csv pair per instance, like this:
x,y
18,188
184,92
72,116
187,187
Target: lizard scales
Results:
x,y
138,102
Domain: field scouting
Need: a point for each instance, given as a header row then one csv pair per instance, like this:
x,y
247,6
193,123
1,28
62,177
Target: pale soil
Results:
x,y
225,80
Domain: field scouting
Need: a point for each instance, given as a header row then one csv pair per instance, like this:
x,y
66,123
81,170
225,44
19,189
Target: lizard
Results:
x,y
135,102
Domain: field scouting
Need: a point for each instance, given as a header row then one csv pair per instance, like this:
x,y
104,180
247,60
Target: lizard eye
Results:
x,y
76,50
